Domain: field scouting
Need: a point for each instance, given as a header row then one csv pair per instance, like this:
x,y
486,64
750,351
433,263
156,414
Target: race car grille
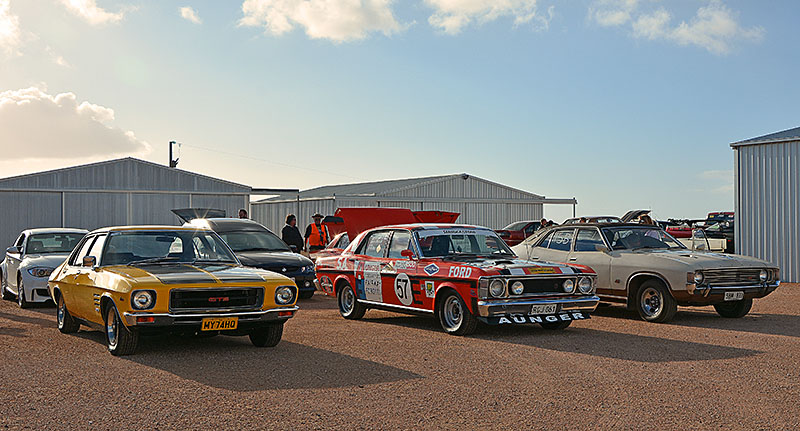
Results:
x,y
732,277
242,298
281,269
542,285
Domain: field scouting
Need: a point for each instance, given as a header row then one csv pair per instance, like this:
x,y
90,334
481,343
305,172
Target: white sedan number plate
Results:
x,y
544,309
734,296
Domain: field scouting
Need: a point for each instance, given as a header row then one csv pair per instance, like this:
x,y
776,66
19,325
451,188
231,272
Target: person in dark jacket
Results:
x,y
291,234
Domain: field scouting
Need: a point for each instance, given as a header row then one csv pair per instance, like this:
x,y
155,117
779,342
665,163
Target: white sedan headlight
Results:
x,y
585,285
497,288
698,278
40,272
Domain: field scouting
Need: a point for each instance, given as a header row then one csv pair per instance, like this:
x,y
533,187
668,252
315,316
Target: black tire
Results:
x,y
454,316
654,302
349,307
66,324
120,340
734,309
21,300
7,295
267,336
306,295
556,326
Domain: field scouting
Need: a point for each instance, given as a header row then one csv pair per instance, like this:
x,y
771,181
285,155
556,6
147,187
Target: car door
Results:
x,y
87,290
555,247
401,282
369,261
584,252
72,276
13,262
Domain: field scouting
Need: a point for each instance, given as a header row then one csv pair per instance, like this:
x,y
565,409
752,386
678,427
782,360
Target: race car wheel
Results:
x,y
267,336
554,326
21,300
306,295
734,309
120,340
454,316
66,324
655,303
349,307
7,295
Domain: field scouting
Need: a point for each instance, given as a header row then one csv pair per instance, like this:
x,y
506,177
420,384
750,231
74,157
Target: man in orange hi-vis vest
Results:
x,y
316,234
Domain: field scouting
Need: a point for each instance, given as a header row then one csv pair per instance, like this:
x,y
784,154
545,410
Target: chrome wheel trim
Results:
x,y
20,293
651,302
111,327
347,300
453,313
60,312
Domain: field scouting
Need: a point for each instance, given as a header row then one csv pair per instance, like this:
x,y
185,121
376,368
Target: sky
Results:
x,y
619,103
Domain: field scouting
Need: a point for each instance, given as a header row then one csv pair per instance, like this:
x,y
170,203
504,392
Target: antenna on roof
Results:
x,y
172,163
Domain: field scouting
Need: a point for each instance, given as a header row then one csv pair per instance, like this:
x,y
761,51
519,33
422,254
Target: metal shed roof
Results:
x,y
783,136
125,174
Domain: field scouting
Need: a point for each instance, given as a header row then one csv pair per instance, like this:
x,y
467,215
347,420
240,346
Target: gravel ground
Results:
x,y
391,371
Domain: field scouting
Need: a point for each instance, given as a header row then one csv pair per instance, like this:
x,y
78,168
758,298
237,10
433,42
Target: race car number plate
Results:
x,y
219,323
544,309
734,296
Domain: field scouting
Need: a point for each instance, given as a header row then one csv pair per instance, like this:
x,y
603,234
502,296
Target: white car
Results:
x,y
29,262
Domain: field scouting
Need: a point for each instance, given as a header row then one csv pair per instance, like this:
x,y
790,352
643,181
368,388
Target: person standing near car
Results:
x,y
291,234
317,234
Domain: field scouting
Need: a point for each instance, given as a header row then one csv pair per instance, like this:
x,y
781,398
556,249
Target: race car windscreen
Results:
x,y
635,238
461,242
45,243
158,247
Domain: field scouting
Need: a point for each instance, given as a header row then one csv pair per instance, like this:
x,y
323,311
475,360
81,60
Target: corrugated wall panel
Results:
x,y
21,210
768,203
155,208
456,187
95,210
230,203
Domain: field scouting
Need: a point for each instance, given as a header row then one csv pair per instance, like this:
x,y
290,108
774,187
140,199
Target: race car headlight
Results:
x,y
284,295
569,286
517,288
698,278
40,272
763,275
143,299
497,288
585,285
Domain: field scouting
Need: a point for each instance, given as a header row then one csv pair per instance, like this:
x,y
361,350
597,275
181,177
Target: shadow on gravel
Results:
x,y
46,323
770,324
233,363
318,302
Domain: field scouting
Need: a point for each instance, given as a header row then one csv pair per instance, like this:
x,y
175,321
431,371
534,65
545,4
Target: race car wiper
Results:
x,y
163,259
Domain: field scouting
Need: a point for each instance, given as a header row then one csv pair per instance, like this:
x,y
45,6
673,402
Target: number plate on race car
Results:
x,y
219,323
544,309
734,296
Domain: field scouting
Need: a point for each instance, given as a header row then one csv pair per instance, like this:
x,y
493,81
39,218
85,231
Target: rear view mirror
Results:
x,y
407,253
293,247
89,261
14,250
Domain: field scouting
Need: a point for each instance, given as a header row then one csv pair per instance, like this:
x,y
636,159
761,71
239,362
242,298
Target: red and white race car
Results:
x,y
462,274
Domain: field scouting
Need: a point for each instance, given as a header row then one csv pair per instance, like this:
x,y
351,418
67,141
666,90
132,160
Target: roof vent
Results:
x,y
464,177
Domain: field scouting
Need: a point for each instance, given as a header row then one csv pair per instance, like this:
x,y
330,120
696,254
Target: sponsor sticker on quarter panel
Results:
x,y
372,282
404,265
431,269
430,289
402,288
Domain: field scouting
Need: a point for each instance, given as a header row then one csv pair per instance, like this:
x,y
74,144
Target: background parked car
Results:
x,y
516,232
29,262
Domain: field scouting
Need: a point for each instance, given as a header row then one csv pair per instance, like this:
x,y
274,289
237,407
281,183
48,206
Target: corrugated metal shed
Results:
x,y
767,189
479,201
114,192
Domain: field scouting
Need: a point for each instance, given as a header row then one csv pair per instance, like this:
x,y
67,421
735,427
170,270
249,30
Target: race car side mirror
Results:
x,y
89,261
601,248
407,253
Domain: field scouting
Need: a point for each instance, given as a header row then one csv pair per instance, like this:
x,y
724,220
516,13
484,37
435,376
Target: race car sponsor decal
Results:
x,y
431,269
430,289
389,267
454,231
373,290
326,284
404,265
551,318
535,270
402,288
460,271
341,263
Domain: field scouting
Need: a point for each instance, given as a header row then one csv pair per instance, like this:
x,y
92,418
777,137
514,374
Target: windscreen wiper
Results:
x,y
163,259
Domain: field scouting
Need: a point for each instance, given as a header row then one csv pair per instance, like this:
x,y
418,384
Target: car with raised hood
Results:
x,y
137,280
28,263
646,269
461,274
257,247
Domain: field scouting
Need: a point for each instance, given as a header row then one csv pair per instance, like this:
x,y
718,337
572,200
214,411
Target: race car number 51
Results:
x,y
544,309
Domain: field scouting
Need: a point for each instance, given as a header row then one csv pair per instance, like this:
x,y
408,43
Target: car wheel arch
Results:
x,y
440,293
637,279
339,283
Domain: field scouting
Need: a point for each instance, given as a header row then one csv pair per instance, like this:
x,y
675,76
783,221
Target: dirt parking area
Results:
x,y
391,371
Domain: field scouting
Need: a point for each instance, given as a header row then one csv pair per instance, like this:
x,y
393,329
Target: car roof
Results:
x,y
227,223
54,230
430,226
144,228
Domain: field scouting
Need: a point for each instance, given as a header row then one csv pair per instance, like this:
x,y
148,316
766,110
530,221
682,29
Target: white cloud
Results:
x,y
9,29
93,14
451,16
714,27
718,181
336,20
190,15
34,124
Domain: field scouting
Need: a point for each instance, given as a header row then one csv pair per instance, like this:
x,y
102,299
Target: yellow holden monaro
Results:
x,y
149,279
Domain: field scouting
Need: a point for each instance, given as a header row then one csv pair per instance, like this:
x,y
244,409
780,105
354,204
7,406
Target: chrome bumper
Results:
x,y
169,319
708,290
502,307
